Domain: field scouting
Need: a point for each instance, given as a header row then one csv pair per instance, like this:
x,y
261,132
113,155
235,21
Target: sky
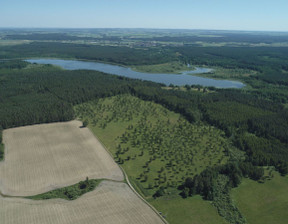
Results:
x,y
258,15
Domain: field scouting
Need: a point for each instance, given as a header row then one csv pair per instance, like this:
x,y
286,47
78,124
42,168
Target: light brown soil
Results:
x,y
40,158
111,202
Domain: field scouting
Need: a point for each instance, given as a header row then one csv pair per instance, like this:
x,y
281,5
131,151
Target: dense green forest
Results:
x,y
120,55
41,94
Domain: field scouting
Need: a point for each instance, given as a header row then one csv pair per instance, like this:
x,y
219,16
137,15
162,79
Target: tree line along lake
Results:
x,y
185,78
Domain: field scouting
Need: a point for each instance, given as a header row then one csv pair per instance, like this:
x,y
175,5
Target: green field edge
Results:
x,y
2,152
127,181
71,192
263,202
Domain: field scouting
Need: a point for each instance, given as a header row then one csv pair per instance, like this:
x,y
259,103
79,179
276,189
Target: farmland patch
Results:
x,y
44,157
111,202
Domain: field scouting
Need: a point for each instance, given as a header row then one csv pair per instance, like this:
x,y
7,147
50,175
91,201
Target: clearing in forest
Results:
x,y
263,203
40,158
110,203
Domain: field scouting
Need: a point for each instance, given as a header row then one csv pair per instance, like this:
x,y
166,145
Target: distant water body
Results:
x,y
167,79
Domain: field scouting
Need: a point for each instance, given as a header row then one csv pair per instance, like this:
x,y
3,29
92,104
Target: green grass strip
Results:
x,y
1,152
69,193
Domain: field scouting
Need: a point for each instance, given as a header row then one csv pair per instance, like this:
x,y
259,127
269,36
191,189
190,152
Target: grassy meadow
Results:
x,y
238,74
264,203
13,42
169,67
193,210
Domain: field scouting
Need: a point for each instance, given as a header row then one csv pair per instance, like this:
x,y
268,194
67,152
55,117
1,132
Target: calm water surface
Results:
x,y
167,79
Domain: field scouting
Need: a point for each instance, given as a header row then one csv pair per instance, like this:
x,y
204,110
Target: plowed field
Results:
x,y
111,202
40,158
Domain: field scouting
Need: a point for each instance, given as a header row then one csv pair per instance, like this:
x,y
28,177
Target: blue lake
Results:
x,y
167,79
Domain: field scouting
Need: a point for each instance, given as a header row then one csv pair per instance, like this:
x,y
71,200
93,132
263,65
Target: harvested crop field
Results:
x,y
111,202
40,158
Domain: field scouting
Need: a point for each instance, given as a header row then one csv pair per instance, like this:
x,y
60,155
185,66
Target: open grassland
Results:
x,y
228,73
156,147
264,203
169,67
44,157
13,42
111,202
187,211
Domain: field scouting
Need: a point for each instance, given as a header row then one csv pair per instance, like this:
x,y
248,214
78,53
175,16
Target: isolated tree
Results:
x,y
188,87
85,123
160,192
185,192
145,178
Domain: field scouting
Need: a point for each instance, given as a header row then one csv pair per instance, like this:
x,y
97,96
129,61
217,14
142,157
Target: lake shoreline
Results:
x,y
185,78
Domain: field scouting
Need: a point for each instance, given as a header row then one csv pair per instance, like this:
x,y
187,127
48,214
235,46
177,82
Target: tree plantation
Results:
x,y
156,147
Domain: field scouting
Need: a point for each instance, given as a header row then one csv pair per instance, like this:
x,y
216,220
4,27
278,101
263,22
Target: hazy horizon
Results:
x,y
246,15
143,28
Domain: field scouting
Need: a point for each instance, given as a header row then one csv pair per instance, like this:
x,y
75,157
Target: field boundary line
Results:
x,y
128,182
